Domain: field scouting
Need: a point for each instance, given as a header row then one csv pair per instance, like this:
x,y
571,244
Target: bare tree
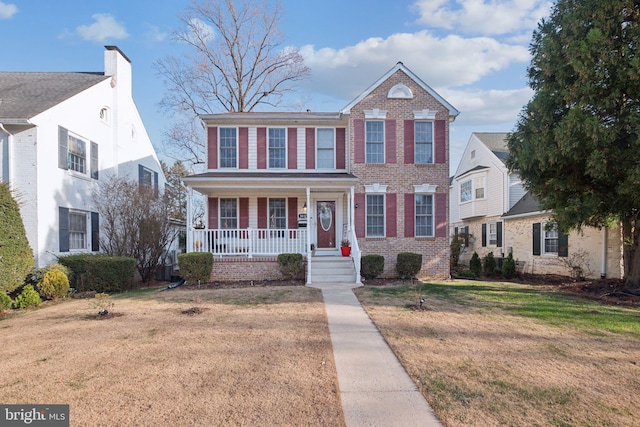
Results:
x,y
134,222
236,62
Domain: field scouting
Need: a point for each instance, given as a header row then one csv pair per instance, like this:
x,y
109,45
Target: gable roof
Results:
x,y
453,112
24,95
496,142
528,204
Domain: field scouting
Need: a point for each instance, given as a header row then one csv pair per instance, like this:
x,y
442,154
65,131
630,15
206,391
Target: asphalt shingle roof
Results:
x,y
527,204
496,142
24,95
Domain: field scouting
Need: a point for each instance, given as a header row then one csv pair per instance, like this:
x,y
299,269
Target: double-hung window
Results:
x,y
374,138
465,191
375,215
77,230
423,144
277,148
325,157
424,215
550,240
277,213
77,154
479,187
228,148
228,214
493,233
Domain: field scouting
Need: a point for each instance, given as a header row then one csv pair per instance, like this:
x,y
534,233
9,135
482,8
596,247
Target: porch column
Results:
x,y
189,219
352,211
308,236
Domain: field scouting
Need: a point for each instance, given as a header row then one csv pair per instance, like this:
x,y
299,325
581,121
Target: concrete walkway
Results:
x,y
374,387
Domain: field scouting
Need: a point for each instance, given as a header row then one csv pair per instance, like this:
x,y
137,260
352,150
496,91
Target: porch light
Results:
x,y
304,208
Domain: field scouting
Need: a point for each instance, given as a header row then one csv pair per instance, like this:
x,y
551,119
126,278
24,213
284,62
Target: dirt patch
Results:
x,y
192,311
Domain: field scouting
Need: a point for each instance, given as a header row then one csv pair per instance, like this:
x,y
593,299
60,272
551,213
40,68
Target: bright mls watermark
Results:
x,y
34,415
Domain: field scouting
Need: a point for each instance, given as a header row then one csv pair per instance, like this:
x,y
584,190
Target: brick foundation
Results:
x,y
243,268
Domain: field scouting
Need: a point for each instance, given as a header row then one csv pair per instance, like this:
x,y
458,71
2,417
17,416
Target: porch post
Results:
x,y
308,236
189,219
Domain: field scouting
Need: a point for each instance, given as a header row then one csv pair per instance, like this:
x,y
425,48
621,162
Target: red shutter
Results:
x,y
310,147
360,214
262,212
292,148
409,215
409,141
262,148
212,155
358,140
440,127
340,148
292,212
392,211
213,212
243,148
390,141
441,214
244,212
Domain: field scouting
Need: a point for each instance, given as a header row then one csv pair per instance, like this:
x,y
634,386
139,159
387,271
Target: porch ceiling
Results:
x,y
251,181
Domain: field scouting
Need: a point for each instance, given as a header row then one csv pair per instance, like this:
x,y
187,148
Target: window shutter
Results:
x,y
213,212
409,216
94,160
262,148
340,148
484,235
263,213
358,140
292,148
63,229
499,233
409,140
95,232
243,148
244,212
465,230
440,127
537,230
292,212
390,141
140,174
392,223
360,214
310,147
455,231
63,140
563,244
212,155
155,182
440,207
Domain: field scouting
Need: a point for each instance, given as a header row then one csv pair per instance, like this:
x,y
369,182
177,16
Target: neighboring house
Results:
x,y
61,134
375,173
490,204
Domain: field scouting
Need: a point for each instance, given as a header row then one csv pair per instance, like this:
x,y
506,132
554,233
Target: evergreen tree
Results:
x,y
16,258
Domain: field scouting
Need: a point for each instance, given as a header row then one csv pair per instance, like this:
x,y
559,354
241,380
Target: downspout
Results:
x,y
603,268
189,219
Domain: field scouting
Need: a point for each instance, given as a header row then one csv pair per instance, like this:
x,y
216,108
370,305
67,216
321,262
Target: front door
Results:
x,y
326,224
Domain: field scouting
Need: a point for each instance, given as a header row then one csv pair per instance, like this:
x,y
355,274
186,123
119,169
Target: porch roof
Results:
x,y
263,180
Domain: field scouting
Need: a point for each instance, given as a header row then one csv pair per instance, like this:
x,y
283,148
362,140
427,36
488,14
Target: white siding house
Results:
x,y
61,133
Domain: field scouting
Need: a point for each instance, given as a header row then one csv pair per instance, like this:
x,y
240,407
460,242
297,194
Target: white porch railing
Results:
x,y
249,242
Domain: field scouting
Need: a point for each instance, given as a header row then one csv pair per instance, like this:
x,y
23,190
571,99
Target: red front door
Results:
x,y
326,224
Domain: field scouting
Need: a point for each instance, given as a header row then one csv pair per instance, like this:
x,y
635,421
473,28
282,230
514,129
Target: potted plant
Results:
x,y
345,247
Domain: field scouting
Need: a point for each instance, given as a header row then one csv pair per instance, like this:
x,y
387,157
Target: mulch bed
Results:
x,y
244,284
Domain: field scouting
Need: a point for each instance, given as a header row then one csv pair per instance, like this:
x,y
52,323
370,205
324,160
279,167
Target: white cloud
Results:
x,y
154,34
487,107
7,10
487,17
105,27
197,29
441,62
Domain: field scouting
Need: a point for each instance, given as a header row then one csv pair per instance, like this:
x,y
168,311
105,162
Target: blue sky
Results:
x,y
473,52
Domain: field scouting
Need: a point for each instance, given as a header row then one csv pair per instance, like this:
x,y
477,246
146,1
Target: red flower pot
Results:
x,y
346,250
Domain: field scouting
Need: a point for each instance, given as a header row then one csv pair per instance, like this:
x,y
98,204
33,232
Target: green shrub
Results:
x,y
291,265
100,273
16,258
5,302
408,264
466,273
509,267
371,266
39,273
27,298
195,267
489,265
475,265
54,284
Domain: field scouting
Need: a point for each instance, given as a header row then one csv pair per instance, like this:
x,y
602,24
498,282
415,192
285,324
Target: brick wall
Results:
x,y
243,268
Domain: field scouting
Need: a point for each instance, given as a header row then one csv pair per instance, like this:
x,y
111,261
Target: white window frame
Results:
x,y
429,216
74,139
367,143
466,194
146,171
269,148
273,220
333,148
548,235
105,115
416,143
78,235
384,212
492,234
477,187
221,158
222,218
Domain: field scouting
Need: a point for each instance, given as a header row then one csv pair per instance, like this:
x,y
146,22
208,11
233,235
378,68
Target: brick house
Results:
x,y
374,173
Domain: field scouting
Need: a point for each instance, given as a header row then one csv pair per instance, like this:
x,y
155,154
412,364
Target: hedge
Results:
x,y
371,266
408,264
291,265
16,258
100,273
195,267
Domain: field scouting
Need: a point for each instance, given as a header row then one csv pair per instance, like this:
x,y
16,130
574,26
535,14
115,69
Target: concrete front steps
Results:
x,y
332,269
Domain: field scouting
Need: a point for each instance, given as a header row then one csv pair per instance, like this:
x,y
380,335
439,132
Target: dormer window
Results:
x,y
105,115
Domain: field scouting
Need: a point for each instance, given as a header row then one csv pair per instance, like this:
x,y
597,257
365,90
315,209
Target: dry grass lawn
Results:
x,y
252,356
488,356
